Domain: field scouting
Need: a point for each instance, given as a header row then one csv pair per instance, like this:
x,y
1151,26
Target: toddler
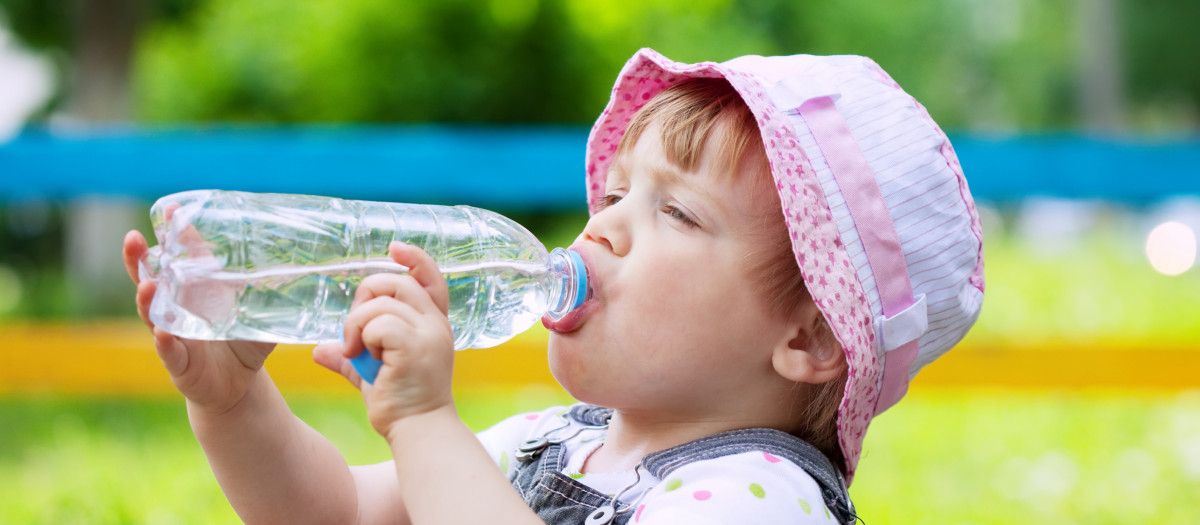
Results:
x,y
728,362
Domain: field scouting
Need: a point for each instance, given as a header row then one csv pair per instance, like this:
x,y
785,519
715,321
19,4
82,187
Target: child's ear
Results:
x,y
804,356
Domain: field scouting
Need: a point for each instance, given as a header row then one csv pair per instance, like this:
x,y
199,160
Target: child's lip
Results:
x,y
570,322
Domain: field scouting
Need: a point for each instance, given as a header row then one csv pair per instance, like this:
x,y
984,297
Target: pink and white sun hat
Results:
x,y
882,224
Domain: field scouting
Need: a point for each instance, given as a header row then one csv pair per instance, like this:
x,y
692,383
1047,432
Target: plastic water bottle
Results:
x,y
284,268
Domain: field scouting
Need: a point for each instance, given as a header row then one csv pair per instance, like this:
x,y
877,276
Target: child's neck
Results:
x,y
631,436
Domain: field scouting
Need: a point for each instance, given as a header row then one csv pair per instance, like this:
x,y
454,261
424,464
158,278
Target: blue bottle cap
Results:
x,y
366,366
581,279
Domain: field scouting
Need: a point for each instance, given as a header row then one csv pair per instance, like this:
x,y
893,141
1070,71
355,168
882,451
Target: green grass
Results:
x,y
1096,288
1006,457
940,457
96,461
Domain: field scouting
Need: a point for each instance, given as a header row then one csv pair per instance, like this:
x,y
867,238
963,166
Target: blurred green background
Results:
x,y
1066,276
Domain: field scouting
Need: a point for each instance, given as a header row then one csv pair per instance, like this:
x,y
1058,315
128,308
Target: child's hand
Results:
x,y
401,319
212,375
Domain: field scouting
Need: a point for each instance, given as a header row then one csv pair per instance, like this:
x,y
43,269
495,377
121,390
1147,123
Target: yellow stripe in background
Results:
x,y
117,358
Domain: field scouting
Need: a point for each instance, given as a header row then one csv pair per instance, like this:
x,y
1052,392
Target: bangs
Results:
x,y
697,113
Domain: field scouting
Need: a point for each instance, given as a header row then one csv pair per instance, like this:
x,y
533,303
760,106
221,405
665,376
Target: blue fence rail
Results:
x,y
538,168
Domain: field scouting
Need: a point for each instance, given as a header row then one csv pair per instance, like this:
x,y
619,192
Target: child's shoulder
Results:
x,y
526,423
504,437
755,486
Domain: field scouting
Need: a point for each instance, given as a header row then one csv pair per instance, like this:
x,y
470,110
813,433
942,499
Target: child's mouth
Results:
x,y
570,322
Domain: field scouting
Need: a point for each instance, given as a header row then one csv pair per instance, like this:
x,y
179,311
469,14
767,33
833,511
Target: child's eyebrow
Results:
x,y
666,173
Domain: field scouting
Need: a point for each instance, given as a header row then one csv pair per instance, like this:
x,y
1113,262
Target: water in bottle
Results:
x,y
284,268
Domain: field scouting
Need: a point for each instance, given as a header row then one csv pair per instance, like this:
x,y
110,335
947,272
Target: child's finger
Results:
x,y
402,287
386,331
189,237
145,295
133,247
169,210
425,270
362,315
196,245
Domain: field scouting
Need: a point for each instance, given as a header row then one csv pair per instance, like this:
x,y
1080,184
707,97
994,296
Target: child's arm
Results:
x,y
443,473
272,467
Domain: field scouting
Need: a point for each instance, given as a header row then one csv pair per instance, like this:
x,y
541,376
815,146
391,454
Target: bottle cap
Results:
x,y
366,366
581,279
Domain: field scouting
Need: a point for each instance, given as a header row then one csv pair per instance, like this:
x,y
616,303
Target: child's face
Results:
x,y
677,321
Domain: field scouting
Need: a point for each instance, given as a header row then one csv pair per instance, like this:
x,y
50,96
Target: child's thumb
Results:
x,y
171,351
329,355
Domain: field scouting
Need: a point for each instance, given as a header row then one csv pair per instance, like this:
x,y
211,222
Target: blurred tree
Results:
x,y
1162,62
364,61
95,40
977,64
1101,100
98,37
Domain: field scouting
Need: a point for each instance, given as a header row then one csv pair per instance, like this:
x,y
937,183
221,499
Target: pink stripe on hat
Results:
x,y
866,205
862,174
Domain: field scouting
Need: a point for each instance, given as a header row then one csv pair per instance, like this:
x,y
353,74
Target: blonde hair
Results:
x,y
694,112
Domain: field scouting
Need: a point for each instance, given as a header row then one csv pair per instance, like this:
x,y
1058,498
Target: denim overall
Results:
x,y
558,499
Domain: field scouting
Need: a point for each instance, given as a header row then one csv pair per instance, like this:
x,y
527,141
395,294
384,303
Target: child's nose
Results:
x,y
607,229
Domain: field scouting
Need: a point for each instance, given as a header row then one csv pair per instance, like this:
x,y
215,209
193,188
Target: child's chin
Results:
x,y
566,364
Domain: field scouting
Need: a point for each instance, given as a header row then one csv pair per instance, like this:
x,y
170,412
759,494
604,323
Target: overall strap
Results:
x,y
554,496
590,415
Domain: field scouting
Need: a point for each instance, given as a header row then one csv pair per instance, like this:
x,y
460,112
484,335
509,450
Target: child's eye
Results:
x,y
607,200
679,215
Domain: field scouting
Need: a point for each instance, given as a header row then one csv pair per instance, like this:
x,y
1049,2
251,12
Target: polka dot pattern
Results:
x,y
741,488
757,491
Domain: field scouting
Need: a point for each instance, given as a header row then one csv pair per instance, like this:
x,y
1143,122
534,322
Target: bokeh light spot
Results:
x,y
1171,248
